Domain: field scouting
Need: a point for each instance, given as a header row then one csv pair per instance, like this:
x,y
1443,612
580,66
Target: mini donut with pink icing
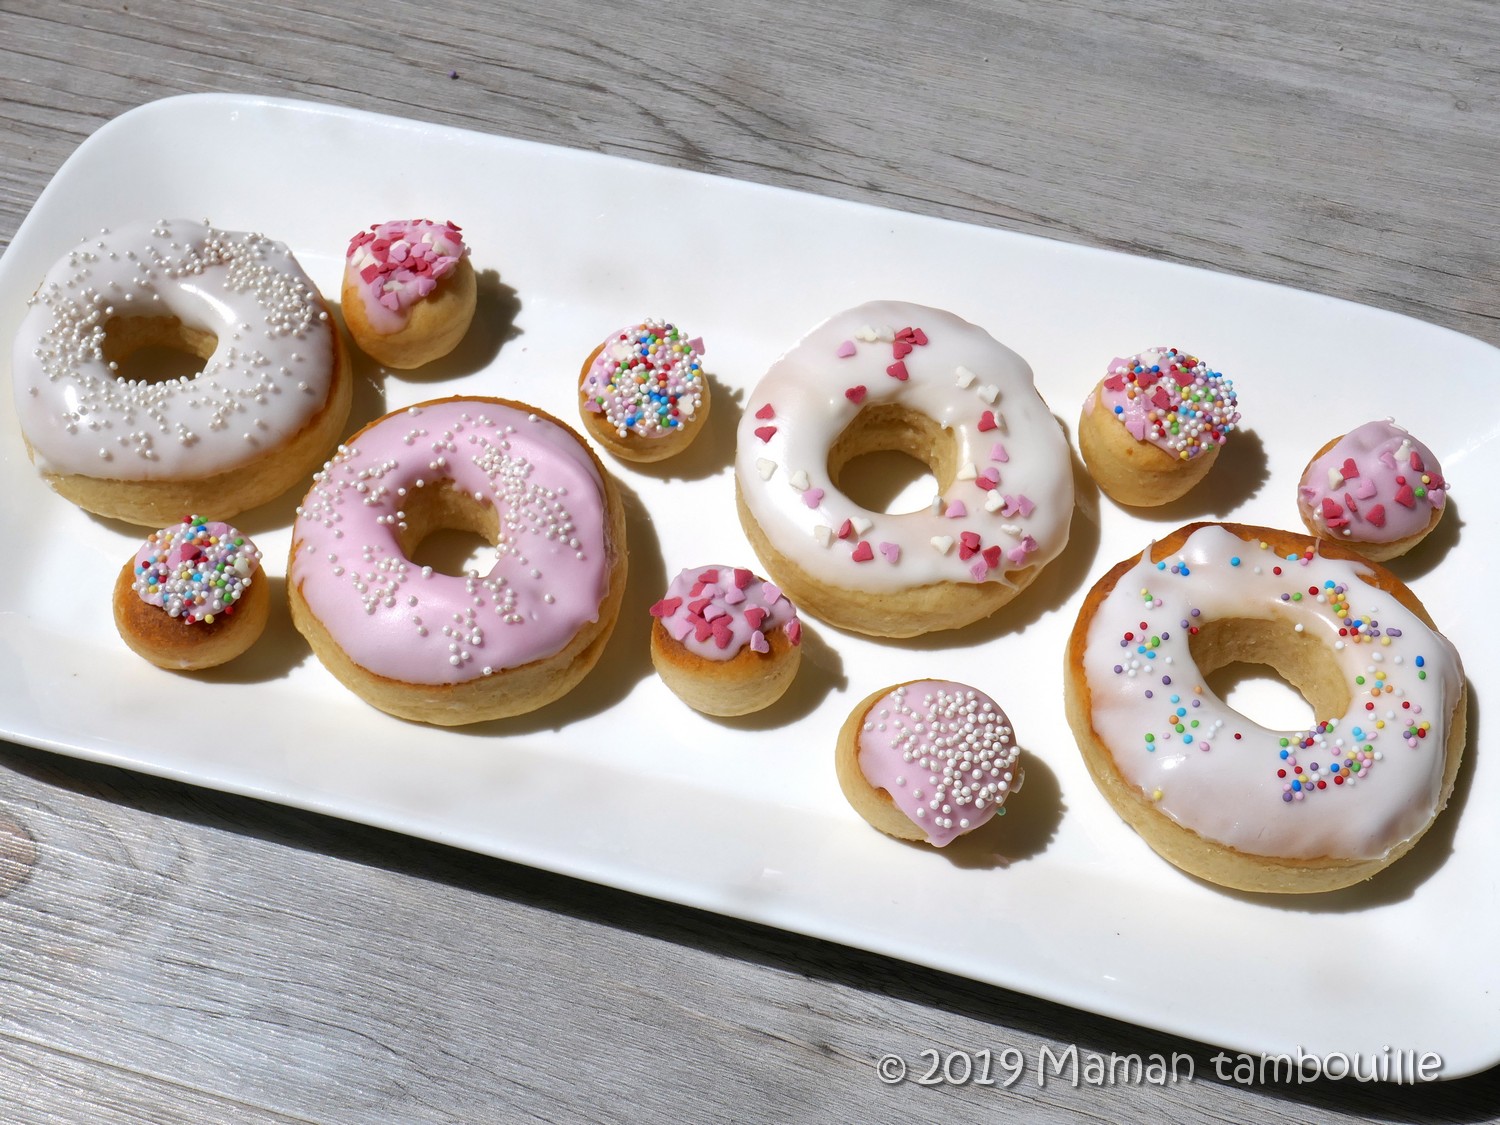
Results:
x,y
192,596
928,760
409,291
896,376
643,392
114,431
725,641
1154,425
452,649
1377,489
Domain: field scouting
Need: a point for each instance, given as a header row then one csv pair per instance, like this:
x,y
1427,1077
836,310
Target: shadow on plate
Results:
x,y
497,307
1426,555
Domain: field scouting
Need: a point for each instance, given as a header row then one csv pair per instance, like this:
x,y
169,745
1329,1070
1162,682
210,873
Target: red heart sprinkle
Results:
x,y
863,553
900,349
666,607
765,433
765,412
1376,515
1406,497
897,370
1349,469
992,557
856,395
987,420
754,616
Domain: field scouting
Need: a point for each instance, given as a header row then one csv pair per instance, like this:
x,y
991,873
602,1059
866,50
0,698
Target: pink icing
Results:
x,y
945,753
1391,492
394,265
1172,400
417,625
715,611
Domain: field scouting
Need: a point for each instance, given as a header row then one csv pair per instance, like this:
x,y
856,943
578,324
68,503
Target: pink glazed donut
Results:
x,y
454,649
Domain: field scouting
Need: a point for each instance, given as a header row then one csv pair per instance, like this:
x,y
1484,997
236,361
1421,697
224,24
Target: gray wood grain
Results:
x,y
170,954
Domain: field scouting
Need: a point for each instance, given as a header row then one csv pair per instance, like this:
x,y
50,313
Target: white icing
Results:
x,y
270,374
1227,789
806,390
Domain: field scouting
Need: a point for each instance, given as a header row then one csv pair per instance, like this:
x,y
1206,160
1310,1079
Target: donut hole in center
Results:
x,y
449,530
1269,672
893,459
156,349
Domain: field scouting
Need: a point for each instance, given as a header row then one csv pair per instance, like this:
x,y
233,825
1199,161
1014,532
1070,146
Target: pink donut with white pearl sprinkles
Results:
x,y
928,760
452,649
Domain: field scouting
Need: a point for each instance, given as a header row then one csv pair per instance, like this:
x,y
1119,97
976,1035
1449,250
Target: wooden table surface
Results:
x,y
174,954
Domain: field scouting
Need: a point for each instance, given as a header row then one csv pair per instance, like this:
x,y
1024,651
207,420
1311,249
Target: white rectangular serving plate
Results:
x,y
620,783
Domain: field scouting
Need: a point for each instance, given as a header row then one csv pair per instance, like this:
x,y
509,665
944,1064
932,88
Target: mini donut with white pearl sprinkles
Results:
x,y
928,760
137,439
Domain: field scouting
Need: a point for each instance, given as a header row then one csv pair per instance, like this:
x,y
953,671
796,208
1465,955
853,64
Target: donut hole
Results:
x,y
156,349
449,530
1270,672
893,459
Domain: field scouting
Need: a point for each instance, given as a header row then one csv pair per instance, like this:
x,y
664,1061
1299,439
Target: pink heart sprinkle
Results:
x,y
1016,555
1025,506
758,642
696,343
734,596
666,607
794,631
1388,459
812,497
765,412
678,627
891,551
845,350
714,612
862,552
979,570
1366,489
956,510
770,594
998,453
856,395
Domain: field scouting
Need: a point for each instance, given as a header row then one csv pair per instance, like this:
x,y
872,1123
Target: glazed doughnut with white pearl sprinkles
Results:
x,y
141,439
455,649
929,760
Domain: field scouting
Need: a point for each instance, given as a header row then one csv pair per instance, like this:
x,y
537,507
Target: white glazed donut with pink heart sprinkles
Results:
x,y
892,375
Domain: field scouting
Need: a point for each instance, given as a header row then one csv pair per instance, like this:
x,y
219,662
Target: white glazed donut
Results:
x,y
271,399
1218,794
891,375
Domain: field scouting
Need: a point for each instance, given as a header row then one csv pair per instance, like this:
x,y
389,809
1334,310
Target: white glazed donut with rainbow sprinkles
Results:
x,y
1222,796
891,375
